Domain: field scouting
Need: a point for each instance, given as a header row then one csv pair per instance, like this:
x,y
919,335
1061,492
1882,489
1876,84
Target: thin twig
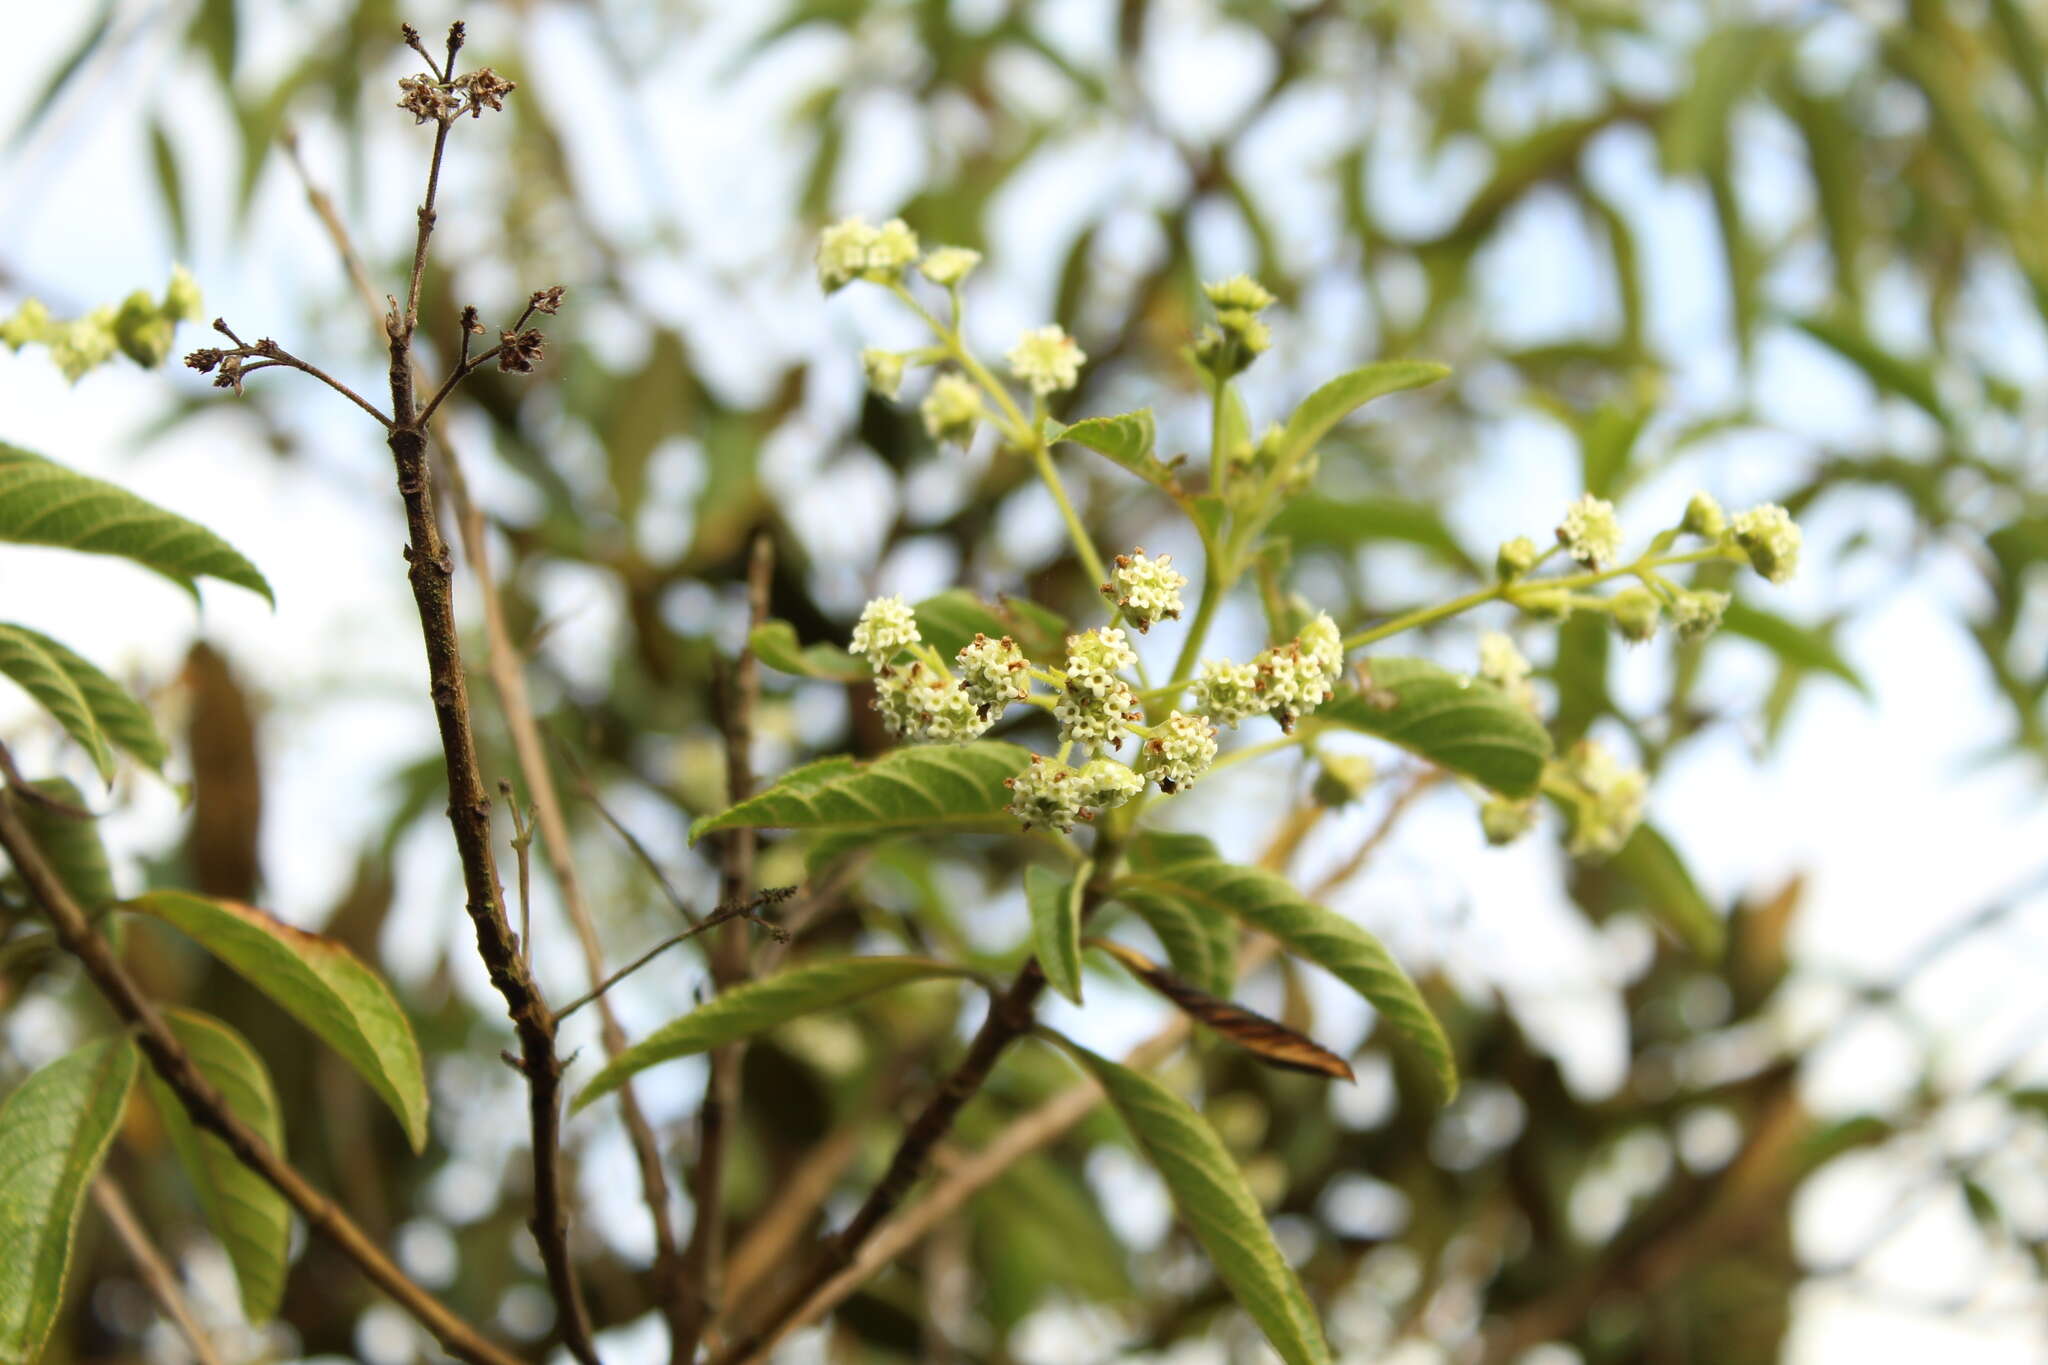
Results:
x,y
156,1272
522,847
737,910
588,791
211,1113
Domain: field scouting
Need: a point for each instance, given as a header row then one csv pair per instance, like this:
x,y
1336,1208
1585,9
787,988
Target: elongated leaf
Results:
x,y
1344,395
1202,947
122,720
43,503
1196,876
54,1130
1314,520
70,845
774,643
759,1006
318,982
1468,726
39,673
251,1219
954,617
1055,903
1126,440
1269,1040
1912,380
1669,892
1210,1194
951,786
1794,644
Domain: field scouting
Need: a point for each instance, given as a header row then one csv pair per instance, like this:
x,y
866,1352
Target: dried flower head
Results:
x,y
427,100
547,300
519,352
485,89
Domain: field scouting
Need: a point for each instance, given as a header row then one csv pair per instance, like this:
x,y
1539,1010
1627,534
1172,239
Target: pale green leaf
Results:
x,y
1795,645
1055,903
1213,1200
39,673
937,786
251,1219
954,617
775,644
1470,727
1344,395
122,720
761,1005
1669,892
54,1131
1188,870
1126,440
43,503
318,982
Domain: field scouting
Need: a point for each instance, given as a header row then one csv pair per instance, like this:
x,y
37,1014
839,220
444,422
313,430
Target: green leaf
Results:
x,y
953,618
1055,903
1794,644
775,644
759,1006
318,982
251,1219
1470,727
24,659
1911,380
1200,946
952,786
43,503
54,1131
1314,520
1668,890
1344,395
1126,440
1210,1193
1189,870
70,846
121,719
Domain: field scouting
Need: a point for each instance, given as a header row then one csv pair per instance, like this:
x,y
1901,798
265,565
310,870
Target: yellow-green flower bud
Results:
x,y
1505,821
1704,517
1342,779
1636,613
1515,558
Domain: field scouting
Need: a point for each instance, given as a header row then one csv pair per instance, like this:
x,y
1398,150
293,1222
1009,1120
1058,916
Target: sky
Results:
x,y
1884,806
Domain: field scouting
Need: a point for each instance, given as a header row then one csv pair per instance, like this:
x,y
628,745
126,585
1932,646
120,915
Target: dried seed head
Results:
x,y
547,300
471,322
520,351
485,89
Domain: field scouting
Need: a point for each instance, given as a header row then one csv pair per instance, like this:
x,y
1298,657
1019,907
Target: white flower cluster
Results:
x,y
1608,800
1053,795
850,249
1181,751
886,628
919,700
1771,539
1297,677
1228,693
951,409
1097,707
1047,359
1697,612
993,672
1590,532
1144,589
920,703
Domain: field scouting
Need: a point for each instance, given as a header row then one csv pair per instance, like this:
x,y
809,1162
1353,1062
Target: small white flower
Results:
x,y
1181,751
1096,720
1048,794
1501,664
886,628
951,409
1146,590
894,247
1227,693
1698,612
1771,538
843,252
1590,531
1106,783
994,672
884,371
1047,359
949,265
1095,658
1323,645
1611,800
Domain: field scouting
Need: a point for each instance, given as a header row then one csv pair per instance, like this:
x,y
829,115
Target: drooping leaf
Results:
x,y
1794,644
1055,904
1191,872
1470,727
24,659
70,845
1126,440
120,719
318,982
1269,1040
1344,395
43,503
952,786
954,617
1669,892
1211,1196
759,1006
251,1219
54,1131
774,643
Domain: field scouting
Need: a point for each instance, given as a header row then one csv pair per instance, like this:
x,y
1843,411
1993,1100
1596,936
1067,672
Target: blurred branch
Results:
x,y
155,1271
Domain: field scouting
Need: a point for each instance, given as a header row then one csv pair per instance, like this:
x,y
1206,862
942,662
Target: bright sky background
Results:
x,y
1886,808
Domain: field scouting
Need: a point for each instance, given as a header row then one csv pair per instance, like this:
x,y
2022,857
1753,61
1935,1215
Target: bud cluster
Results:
x,y
1144,589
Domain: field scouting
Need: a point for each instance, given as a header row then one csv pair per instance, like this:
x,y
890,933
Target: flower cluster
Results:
x,y
1227,693
1097,706
917,702
1047,359
1604,800
1144,589
1590,532
141,328
1180,750
920,699
1769,536
1238,336
993,672
852,249
1297,677
1051,794
886,628
951,409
